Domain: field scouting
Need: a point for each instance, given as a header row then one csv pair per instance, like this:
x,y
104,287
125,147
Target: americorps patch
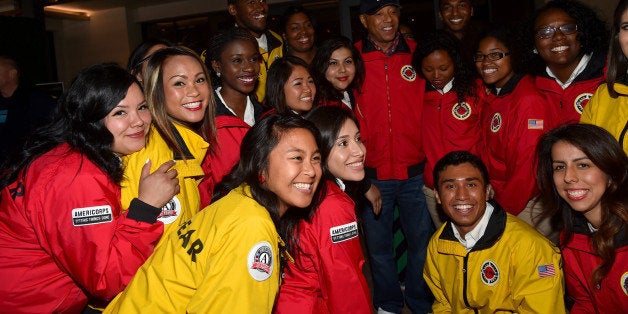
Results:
x,y
93,215
260,261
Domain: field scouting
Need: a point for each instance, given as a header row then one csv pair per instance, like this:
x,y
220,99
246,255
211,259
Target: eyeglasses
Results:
x,y
493,56
549,31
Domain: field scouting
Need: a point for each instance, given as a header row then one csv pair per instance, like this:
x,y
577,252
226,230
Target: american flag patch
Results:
x,y
535,124
546,270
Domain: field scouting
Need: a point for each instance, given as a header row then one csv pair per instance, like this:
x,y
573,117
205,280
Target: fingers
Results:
x,y
145,169
165,166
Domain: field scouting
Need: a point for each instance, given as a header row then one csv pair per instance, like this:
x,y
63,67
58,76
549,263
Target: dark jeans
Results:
x,y
417,228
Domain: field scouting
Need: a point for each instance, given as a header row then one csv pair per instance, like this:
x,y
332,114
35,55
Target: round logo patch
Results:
x,y
260,261
408,73
496,122
170,212
490,273
461,111
581,101
624,283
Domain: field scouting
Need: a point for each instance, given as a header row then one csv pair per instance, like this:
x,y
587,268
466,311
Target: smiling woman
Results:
x,y
64,237
178,93
583,177
298,33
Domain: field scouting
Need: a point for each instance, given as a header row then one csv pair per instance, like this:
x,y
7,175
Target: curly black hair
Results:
x,y
444,40
592,32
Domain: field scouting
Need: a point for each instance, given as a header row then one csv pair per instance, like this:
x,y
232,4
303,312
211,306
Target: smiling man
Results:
x,y
485,259
389,110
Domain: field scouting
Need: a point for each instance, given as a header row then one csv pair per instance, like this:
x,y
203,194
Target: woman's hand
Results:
x,y
157,188
375,197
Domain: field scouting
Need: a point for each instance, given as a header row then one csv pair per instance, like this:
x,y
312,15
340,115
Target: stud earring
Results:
x,y
536,52
218,74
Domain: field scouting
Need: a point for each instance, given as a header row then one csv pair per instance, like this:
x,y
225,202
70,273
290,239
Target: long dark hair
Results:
x,y
156,99
278,75
446,41
255,149
617,61
79,122
325,91
604,151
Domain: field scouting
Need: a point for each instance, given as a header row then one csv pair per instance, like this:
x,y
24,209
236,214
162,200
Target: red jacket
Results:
x,y
512,124
566,105
389,112
580,261
448,126
327,274
230,131
63,238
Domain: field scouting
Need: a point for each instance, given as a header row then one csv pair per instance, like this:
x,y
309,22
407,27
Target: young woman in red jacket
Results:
x,y
451,110
64,239
583,178
234,61
326,275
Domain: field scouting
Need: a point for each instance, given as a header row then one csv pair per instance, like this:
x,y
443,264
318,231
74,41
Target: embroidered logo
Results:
x,y
408,73
535,124
170,212
461,111
260,261
91,215
489,273
546,270
344,232
496,122
624,283
581,101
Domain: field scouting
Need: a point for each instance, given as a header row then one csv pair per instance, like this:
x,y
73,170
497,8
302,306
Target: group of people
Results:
x,y
238,179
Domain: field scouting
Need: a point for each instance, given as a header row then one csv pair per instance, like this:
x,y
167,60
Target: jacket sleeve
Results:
x,y
201,270
79,223
534,289
520,186
433,278
589,113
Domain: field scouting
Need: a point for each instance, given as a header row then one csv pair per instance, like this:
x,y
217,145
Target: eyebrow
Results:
x,y
461,179
185,76
575,159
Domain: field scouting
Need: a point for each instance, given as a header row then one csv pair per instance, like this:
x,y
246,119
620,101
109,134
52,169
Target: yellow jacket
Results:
x,y
275,52
512,268
223,260
609,113
183,205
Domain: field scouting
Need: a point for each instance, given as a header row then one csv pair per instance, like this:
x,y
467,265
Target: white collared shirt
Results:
x,y
249,113
346,100
340,184
262,42
472,237
579,69
446,88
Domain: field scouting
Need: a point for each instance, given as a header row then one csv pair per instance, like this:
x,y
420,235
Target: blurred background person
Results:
x,y
290,88
298,34
608,107
139,57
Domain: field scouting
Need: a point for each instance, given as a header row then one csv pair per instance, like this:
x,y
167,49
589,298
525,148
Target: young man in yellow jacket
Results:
x,y
484,259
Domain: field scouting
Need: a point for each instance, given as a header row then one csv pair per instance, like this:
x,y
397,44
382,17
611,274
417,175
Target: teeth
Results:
x,y
489,71
259,16
356,164
308,98
303,186
455,21
576,193
192,105
247,79
388,28
560,48
463,207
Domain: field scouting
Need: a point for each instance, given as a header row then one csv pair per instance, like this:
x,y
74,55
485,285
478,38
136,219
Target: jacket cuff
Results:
x,y
141,211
